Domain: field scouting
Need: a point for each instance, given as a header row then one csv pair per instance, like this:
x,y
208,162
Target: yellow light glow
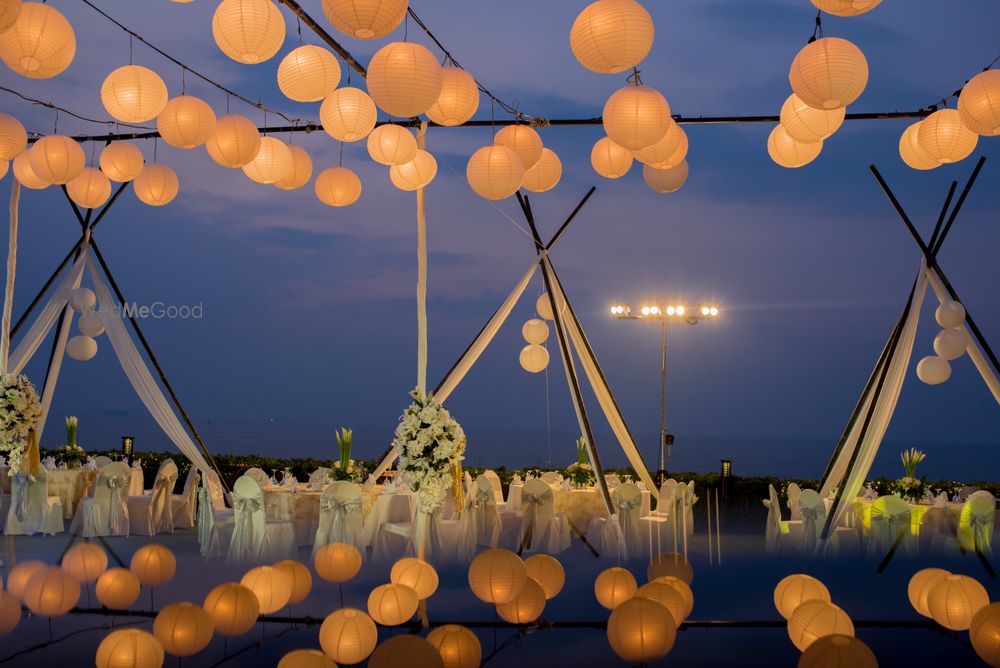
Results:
x,y
680,310
670,310
645,310
655,310
714,311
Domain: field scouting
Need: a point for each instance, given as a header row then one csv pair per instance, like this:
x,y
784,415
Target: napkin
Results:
x,y
564,486
49,462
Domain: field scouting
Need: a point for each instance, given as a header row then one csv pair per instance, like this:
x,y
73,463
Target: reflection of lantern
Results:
x,y
494,172
846,7
90,189
308,74
533,358
829,73
13,137
337,186
51,592
614,586
979,103
57,159
85,561
337,562
920,585
365,19
392,604
25,174
183,629
409,651
121,161
809,124
789,152
10,614
117,588
299,577
838,650
526,607
154,565
497,575
636,117
670,563
545,174
391,145
681,588
609,159
815,619
611,36
669,151
134,94
458,99
40,44
458,646
984,633
944,136
666,596
641,631
912,153
17,578
416,574
233,608
235,142
536,331
404,79
953,601
248,31
129,647
271,587
665,180
523,140
417,173
156,185
300,172
347,114
795,590
348,636
186,122
306,658
272,162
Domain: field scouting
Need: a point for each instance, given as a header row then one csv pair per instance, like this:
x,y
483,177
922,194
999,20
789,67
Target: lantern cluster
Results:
x,y
83,347
516,158
534,357
958,603
819,629
949,344
519,589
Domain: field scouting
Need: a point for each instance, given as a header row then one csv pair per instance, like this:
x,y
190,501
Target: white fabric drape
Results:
x,y
8,298
52,377
421,274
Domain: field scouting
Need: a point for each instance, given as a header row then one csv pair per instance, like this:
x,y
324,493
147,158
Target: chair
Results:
x,y
263,480
215,525
32,510
255,537
494,479
686,500
106,512
184,505
153,513
612,480
340,517
553,478
137,482
454,539
542,529
975,523
101,461
779,534
623,536
665,498
794,501
890,523
393,536
812,510
320,476
488,524
966,492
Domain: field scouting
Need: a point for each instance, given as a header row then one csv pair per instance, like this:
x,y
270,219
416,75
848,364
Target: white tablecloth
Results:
x,y
70,485
578,505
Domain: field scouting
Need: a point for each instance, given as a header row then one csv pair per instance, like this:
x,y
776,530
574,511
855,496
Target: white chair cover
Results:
x,y
665,501
136,481
320,476
688,502
217,494
340,517
215,526
101,461
624,538
487,518
812,510
184,505
542,529
975,524
254,537
612,480
890,520
553,478
106,512
263,480
153,513
32,510
794,501
494,479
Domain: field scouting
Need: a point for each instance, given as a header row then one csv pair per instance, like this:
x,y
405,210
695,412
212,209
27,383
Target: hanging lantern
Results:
x,y
392,604
365,19
536,331
271,587
669,151
40,44
10,613
933,370
789,152
248,31
57,159
984,633
186,122
81,299
391,145
134,94
347,114
9,11
129,647
233,609
838,650
25,174
300,172
949,314
912,153
13,137
17,578
951,343
306,658
670,564
666,596
636,117
156,185
533,358
545,174
183,629
235,143
543,305
846,7
337,186
404,79
117,588
348,636
51,592
682,589
979,103
523,140
494,172
308,74
614,586
90,189
85,562
665,180
154,565
458,100
458,646
920,585
815,619
609,159
611,36
90,324
337,562
121,161
300,578
543,568
497,575
416,574
809,124
795,590
4,167
409,651
81,348
272,162
641,631
944,136
829,73
952,601
526,607
417,173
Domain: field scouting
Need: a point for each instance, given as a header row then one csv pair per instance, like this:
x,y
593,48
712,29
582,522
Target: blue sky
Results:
x,y
309,313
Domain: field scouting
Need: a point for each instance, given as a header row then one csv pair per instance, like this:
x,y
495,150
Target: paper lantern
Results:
x,y
670,564
40,44
409,651
829,73
183,629
404,79
300,172
13,137
611,36
391,145
790,152
952,601
951,343
984,632
117,588
666,596
272,162
10,613
536,331
248,31
121,161
920,585
543,305
81,348
337,562
979,103
545,174
235,142
609,159
308,74
809,124
458,646
417,173
129,647
90,189
337,186
497,576
233,608
306,658
365,19
90,324
186,122
299,577
795,590
51,592
912,153
134,94
669,151
846,7
271,587
156,185
533,358
347,114
682,589
816,619
17,578
85,562
524,141
57,159
945,138
636,117
392,604
949,314
26,175
641,631
838,650
154,565
665,180
9,11
494,172
458,100
416,574
526,607
933,370
348,636
81,299
614,586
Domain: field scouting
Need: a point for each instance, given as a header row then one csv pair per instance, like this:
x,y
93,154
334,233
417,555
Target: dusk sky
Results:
x,y
309,312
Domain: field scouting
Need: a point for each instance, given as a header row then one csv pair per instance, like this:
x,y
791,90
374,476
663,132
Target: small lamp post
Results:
x,y
727,467
127,443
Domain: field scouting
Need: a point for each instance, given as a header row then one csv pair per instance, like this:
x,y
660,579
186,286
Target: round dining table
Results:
x,y
580,506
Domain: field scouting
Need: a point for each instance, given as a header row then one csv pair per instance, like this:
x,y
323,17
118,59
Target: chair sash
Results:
x,y
23,493
975,524
628,518
812,517
794,506
334,513
117,486
772,530
248,532
890,520
205,516
539,509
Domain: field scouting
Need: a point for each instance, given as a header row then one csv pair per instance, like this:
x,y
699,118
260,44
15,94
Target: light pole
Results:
x,y
677,314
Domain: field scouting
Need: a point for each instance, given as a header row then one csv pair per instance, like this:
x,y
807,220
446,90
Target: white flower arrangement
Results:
x,y
20,408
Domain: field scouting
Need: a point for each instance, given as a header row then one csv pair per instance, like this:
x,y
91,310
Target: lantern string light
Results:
x,y
943,102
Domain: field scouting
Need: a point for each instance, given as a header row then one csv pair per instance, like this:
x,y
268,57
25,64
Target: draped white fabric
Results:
x,y
8,298
32,510
153,513
340,517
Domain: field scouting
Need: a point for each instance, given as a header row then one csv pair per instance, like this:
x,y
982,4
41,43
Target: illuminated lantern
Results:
x,y
81,348
271,587
458,100
611,36
458,646
40,44
609,159
829,73
10,614
306,658
545,174
979,103
25,175
984,634
526,607
337,562
85,562
533,358
348,636
543,305
944,136
920,585
299,577
186,122
494,172
846,7
809,124
665,180
681,588
816,619
17,578
347,114
912,153
795,590
156,185
154,565
404,79
789,152
410,651
933,370
9,11
952,601
536,331
300,172
121,161
523,140
13,137
416,574
949,314
235,143
666,596
308,74
838,650
117,588
391,145
337,186
497,576
365,19
233,609
248,31
90,189
51,592
417,173
614,586
641,631
636,117
129,647
90,324
82,300
134,94
183,629
272,162
951,343
392,604
57,159
669,151
672,564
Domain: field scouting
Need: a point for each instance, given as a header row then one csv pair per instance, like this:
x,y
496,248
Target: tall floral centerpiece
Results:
x,y
72,453
20,408
910,487
346,468
581,473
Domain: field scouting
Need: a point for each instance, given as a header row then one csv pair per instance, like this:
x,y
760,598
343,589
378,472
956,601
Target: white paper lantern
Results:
x,y
299,576
836,650
546,571
85,561
365,19
82,300
933,370
121,161
815,619
669,151
417,173
954,599
984,633
90,189
458,646
184,629
951,343
979,103
272,162
306,658
829,73
20,574
497,575
51,592
912,153
57,159
235,142
789,152
526,607
337,186
129,648
9,11
186,122
670,564
920,585
300,172
90,324
945,138
117,588
611,36
248,31
665,180
543,306
846,7
641,631
392,604
809,124
154,565
950,314
25,173
405,650
13,137
391,145
535,331
347,114
666,596
545,174
233,608
308,74
271,586
40,44
156,185
404,79
610,159
494,172
337,562
796,589
458,100
636,117
534,358
348,636
523,140
416,574
134,94
682,588
10,614
614,586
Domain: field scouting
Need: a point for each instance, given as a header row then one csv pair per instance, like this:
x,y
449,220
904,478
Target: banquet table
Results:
x,y
70,485
918,512
579,506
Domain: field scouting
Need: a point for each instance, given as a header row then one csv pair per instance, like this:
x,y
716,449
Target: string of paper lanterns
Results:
x,y
248,31
186,122
40,44
949,344
958,603
83,347
134,94
819,629
308,74
365,19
